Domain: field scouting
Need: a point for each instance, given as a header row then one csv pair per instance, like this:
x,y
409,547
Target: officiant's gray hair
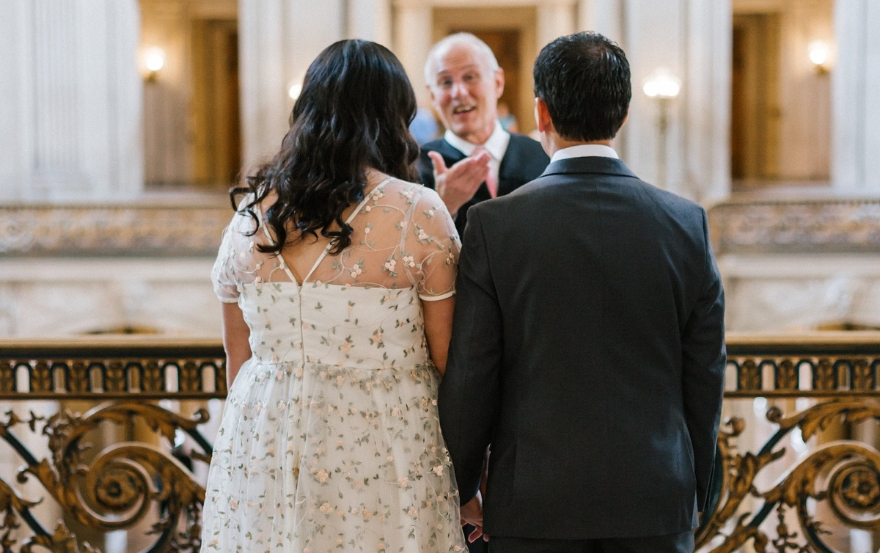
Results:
x,y
480,47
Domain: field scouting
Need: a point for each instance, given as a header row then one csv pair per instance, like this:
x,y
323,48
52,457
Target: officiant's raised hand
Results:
x,y
456,185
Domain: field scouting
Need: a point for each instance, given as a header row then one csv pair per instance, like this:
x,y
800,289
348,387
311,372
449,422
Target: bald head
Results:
x,y
465,82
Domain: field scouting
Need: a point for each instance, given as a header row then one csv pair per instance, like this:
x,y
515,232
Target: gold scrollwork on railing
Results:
x,y
124,485
116,488
839,371
843,474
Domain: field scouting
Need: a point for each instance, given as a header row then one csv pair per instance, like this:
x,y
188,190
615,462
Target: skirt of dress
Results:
x,y
317,458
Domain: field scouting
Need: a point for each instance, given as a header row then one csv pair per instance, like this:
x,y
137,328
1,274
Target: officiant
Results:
x,y
476,159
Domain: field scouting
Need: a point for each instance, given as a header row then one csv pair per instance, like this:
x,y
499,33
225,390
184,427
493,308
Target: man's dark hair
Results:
x,y
584,79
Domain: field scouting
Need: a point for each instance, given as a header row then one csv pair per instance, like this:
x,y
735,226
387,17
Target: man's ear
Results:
x,y
499,82
542,116
431,92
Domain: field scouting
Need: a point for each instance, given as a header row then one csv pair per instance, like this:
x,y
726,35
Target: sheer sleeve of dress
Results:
x,y
430,247
236,263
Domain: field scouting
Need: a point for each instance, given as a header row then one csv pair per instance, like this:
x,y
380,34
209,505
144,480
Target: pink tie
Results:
x,y
491,180
492,184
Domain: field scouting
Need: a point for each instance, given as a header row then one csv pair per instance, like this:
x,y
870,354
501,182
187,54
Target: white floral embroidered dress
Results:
x,y
330,439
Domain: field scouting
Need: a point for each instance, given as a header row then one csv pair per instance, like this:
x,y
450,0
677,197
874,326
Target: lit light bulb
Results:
x,y
819,52
662,84
294,91
154,59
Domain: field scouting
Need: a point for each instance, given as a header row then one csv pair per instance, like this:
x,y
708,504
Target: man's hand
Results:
x,y
472,513
456,185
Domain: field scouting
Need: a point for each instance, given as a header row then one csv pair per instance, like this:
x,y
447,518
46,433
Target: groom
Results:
x,y
588,340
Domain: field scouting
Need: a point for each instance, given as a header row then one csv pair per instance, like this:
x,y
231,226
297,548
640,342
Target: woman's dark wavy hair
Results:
x,y
353,113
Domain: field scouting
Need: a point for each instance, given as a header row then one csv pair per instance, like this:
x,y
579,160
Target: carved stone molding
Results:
x,y
739,225
829,225
111,230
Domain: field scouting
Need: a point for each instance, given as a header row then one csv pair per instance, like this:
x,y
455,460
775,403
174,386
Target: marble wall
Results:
x,y
796,264
51,298
136,267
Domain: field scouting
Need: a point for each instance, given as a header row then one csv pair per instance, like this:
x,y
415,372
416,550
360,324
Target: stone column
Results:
x,y
555,19
278,39
855,92
704,150
691,39
370,20
71,100
413,38
602,16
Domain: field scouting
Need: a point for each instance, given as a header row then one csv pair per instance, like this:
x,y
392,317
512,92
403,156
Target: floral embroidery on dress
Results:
x,y
330,439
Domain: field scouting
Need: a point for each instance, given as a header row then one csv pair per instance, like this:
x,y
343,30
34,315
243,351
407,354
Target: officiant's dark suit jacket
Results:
x,y
522,162
588,350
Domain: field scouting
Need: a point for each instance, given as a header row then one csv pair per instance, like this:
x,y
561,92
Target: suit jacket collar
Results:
x,y
447,150
594,165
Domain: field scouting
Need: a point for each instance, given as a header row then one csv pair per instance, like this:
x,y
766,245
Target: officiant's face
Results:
x,y
465,92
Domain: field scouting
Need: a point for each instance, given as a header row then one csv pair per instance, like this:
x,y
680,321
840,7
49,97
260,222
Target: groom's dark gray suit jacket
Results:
x,y
588,350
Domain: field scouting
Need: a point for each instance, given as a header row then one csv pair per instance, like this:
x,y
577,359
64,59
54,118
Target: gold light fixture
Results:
x,y
820,56
154,61
662,84
663,87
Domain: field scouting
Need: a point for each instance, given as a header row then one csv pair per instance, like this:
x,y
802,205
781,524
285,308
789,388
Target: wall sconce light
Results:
x,y
154,61
295,90
662,84
820,55
663,87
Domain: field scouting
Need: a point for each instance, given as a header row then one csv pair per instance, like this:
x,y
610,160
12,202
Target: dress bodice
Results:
x,y
334,325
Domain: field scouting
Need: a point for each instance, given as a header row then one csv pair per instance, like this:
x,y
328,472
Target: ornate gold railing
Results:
x,y
818,392
145,477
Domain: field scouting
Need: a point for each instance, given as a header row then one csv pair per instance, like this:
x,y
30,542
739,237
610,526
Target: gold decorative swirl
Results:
x,y
118,488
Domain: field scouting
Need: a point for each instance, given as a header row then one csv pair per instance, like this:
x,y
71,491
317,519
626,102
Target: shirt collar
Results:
x,y
496,145
585,150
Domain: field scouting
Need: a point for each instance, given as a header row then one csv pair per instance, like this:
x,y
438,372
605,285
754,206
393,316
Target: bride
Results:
x,y
337,280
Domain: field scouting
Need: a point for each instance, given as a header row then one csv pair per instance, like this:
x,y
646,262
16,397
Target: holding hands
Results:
x,y
456,185
472,513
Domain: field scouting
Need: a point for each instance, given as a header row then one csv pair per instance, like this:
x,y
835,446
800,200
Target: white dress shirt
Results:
x,y
496,145
585,150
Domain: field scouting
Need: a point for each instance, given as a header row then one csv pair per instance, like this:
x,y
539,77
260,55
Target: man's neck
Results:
x,y
479,138
552,143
